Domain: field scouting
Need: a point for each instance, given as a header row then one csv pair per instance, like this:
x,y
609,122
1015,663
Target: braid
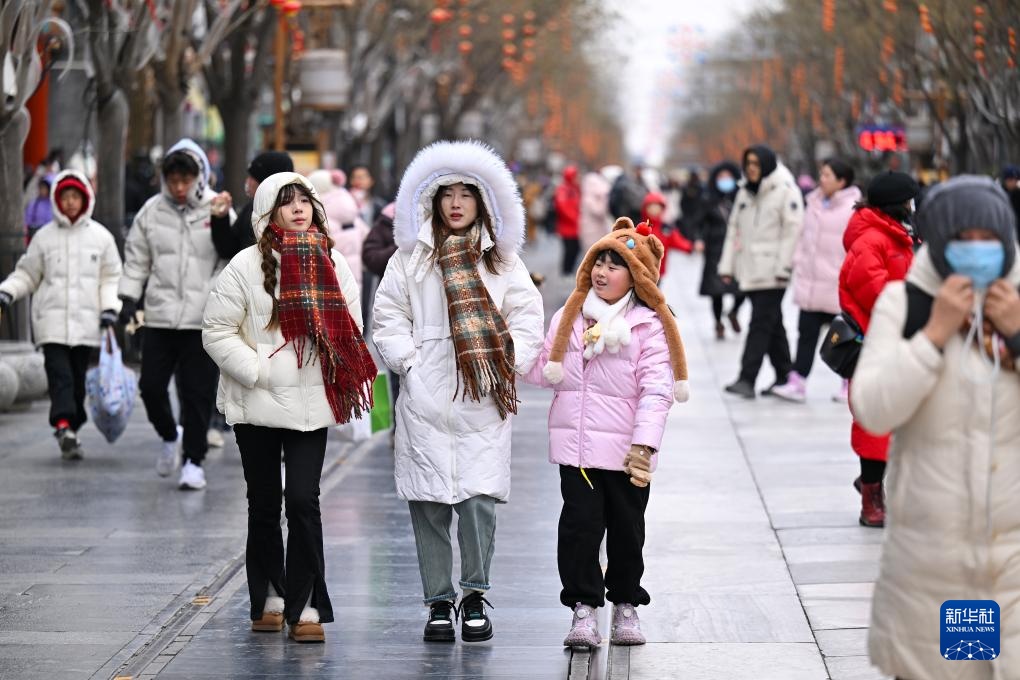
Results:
x,y
269,276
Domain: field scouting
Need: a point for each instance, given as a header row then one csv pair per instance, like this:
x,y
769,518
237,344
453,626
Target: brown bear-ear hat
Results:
x,y
643,252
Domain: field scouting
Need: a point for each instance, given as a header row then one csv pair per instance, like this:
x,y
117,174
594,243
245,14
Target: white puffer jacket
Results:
x,y
953,487
170,246
448,451
72,272
762,233
256,388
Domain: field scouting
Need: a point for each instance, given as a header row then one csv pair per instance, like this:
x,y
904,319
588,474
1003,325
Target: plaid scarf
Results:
x,y
312,307
481,340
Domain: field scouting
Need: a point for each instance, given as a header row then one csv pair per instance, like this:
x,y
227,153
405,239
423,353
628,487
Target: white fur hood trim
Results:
x,y
445,163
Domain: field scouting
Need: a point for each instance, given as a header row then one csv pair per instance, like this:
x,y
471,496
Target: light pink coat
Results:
x,y
595,221
599,410
819,254
346,227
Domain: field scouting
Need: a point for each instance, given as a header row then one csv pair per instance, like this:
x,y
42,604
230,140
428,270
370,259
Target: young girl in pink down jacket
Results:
x,y
616,360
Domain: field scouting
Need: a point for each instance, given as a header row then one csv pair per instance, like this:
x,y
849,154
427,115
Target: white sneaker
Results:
x,y
214,438
169,455
192,477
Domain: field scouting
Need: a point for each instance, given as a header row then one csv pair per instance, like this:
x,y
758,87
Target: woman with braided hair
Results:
x,y
284,325
457,317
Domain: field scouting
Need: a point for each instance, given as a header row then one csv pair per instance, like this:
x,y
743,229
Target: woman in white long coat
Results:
x,y
953,406
457,317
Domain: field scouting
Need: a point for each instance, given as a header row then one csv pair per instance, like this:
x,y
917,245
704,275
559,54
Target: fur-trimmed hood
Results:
x,y
445,163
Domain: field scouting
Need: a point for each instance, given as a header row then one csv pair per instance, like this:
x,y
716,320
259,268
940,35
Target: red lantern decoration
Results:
x,y
508,64
529,16
979,27
440,15
890,6
508,19
465,47
509,49
465,31
925,19
277,3
528,29
508,34
291,7
828,15
528,43
529,57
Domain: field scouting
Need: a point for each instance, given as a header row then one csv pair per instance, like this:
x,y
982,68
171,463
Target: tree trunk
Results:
x,y
13,325
172,121
142,131
236,118
113,122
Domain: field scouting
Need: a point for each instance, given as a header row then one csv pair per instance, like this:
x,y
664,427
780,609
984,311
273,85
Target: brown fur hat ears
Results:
x,y
643,253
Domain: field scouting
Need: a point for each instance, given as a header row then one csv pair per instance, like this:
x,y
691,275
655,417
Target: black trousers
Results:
x,y
65,376
571,249
809,329
766,335
615,508
303,574
166,352
717,305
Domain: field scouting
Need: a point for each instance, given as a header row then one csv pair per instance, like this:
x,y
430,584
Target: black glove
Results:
x,y
107,318
127,311
5,301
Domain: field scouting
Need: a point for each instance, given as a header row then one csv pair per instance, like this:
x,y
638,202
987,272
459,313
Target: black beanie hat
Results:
x,y
966,202
269,163
892,188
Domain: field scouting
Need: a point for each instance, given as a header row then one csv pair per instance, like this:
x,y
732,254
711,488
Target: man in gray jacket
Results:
x,y
170,256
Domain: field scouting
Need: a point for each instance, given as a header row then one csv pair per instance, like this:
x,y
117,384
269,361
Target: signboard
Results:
x,y
882,138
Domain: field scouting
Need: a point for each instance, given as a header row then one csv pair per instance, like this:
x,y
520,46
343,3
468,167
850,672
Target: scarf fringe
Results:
x,y
481,378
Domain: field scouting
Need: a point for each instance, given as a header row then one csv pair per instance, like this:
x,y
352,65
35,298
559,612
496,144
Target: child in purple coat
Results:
x,y
616,361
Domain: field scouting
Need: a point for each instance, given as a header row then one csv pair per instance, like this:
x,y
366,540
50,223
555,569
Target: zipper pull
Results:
x,y
585,475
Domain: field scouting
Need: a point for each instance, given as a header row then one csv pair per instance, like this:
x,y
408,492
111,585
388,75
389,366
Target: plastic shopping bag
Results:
x,y
382,410
111,389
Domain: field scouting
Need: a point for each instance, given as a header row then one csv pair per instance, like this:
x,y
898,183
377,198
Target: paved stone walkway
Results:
x,y
755,562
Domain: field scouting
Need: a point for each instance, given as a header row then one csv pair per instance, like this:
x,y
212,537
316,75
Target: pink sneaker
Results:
x,y
843,396
584,630
626,627
795,388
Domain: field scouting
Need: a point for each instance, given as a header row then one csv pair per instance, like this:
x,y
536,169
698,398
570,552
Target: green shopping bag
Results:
x,y
382,410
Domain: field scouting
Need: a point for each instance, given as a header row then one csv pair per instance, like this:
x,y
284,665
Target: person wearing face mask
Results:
x,y
457,317
758,254
284,326
816,264
879,242
708,228
939,369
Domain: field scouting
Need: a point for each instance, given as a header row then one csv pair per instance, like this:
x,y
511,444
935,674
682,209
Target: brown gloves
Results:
x,y
638,464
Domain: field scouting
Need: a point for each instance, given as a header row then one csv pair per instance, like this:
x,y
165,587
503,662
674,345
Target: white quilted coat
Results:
x,y
448,451
953,488
71,271
170,247
256,388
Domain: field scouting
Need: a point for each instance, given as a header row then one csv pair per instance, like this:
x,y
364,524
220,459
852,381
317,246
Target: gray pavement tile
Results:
x,y
711,661
843,642
724,619
853,668
862,571
814,536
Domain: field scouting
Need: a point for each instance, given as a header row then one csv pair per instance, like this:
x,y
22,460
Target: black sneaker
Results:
x,y
70,446
474,625
741,388
439,627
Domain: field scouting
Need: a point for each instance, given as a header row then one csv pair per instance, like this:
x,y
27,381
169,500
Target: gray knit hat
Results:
x,y
965,202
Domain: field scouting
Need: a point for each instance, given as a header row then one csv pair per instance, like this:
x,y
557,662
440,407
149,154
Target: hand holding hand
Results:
x,y
221,203
1002,308
638,464
699,246
127,310
727,280
953,303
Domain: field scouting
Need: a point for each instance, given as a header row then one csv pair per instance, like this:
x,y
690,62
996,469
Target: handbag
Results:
x,y
842,346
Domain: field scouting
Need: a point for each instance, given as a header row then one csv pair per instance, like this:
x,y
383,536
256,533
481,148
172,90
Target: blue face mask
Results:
x,y
981,261
726,185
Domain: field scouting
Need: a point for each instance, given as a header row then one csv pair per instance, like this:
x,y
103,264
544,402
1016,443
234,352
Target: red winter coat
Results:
x,y
878,250
671,238
568,204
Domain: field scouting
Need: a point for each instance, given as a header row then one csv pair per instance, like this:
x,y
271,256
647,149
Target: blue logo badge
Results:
x,y
970,630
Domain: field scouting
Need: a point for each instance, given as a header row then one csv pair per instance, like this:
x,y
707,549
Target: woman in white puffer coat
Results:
x,y
284,326
953,406
456,316
72,270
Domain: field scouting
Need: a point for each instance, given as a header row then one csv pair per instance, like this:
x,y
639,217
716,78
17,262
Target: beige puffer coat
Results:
x,y
762,233
953,487
256,388
72,272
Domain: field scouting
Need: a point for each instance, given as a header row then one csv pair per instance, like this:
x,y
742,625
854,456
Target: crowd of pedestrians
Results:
x,y
260,317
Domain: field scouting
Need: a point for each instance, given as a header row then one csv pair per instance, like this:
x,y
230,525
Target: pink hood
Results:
x,y
346,227
820,253
599,410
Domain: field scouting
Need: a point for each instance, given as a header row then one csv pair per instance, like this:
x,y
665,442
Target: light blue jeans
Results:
x,y
476,534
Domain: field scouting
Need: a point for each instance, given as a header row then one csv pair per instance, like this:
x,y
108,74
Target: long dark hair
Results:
x,y
491,257
286,194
